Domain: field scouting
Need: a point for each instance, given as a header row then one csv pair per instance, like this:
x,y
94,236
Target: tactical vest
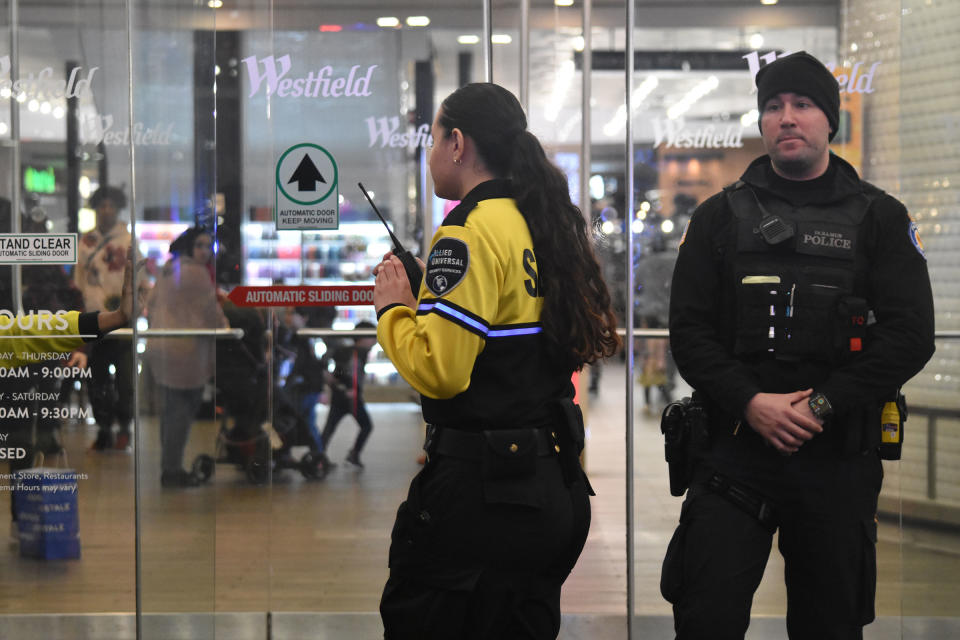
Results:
x,y
799,277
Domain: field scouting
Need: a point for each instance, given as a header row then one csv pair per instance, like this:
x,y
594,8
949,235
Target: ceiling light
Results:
x,y
749,118
214,4
418,21
501,38
756,41
561,85
640,93
388,22
697,92
768,2
563,3
578,43
468,39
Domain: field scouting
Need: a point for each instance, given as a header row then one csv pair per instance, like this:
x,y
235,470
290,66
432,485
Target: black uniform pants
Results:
x,y
482,563
827,537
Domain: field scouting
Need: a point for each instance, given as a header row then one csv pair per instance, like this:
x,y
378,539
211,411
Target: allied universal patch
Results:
x,y
446,265
915,239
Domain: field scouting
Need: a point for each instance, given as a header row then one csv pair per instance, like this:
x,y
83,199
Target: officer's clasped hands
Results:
x,y
783,420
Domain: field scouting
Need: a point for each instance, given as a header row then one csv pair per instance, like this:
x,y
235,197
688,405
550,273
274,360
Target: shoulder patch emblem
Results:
x,y
915,239
683,238
446,265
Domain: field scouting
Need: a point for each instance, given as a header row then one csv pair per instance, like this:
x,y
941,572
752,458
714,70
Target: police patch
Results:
x,y
446,265
915,239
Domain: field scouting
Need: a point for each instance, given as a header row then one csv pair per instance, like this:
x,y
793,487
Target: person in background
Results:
x,y
64,332
101,255
653,273
184,297
800,304
512,303
309,374
346,393
45,287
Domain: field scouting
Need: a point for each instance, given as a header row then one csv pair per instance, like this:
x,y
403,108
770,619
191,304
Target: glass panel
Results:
x,y
917,160
695,123
173,139
64,82
356,100
897,133
220,98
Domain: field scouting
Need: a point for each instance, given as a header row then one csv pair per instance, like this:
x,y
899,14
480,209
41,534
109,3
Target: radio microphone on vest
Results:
x,y
774,230
414,274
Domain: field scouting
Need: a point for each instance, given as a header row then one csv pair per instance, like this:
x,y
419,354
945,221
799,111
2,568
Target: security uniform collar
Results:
x,y
497,188
838,181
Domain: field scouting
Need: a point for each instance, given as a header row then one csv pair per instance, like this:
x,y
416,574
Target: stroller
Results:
x,y
242,401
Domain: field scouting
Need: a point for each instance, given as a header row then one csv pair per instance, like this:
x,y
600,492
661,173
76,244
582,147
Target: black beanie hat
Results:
x,y
800,73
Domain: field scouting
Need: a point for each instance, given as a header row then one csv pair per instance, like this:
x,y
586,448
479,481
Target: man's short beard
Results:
x,y
794,166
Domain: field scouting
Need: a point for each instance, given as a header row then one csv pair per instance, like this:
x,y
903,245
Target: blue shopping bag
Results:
x,y
46,503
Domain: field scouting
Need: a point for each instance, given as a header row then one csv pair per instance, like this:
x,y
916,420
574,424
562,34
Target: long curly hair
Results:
x,y
577,317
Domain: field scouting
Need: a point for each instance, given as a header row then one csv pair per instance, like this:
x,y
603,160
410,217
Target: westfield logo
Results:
x,y
44,84
675,133
387,131
858,80
270,75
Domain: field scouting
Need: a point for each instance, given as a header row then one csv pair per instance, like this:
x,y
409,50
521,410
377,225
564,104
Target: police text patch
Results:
x,y
827,240
446,265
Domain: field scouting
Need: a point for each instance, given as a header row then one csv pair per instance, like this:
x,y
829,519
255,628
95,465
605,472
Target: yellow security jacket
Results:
x,y
38,337
474,347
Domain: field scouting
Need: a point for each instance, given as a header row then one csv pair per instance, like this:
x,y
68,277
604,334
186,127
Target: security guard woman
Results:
x,y
512,303
800,303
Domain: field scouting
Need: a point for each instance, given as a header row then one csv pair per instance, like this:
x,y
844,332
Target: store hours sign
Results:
x,y
308,191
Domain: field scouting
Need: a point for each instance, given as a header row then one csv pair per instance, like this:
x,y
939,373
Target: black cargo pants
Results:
x,y
827,536
473,559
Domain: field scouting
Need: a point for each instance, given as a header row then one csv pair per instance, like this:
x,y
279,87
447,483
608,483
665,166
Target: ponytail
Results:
x,y
577,315
577,318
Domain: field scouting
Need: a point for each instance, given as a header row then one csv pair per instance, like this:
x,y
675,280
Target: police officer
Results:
x,y
512,302
800,303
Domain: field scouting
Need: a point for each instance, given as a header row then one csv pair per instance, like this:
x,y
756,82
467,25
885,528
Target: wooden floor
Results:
x,y
321,546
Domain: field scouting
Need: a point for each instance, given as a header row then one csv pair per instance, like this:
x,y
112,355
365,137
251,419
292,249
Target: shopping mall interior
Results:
x,y
205,113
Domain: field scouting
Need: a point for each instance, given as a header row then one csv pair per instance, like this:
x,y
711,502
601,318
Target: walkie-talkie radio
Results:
x,y
414,274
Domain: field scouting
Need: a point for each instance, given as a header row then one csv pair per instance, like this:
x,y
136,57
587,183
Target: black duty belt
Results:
x,y
745,499
469,445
